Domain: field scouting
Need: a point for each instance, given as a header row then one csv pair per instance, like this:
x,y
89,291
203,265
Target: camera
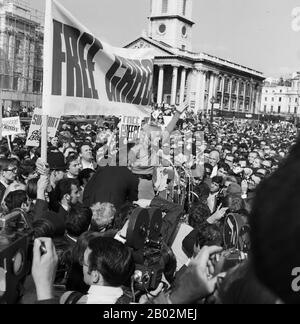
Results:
x,y
236,239
152,257
229,259
236,232
15,243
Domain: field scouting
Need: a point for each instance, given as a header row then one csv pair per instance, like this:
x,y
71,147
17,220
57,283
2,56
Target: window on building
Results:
x,y
265,108
280,99
272,99
279,109
184,7
272,109
290,99
280,90
164,6
18,46
266,98
295,110
289,109
16,80
296,99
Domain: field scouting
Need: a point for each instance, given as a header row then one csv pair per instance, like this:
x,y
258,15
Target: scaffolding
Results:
x,y
21,52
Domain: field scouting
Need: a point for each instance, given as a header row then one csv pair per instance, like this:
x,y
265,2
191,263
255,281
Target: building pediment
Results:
x,y
159,48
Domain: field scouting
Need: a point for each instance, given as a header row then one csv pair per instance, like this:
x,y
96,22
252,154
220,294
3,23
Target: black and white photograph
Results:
x,y
149,155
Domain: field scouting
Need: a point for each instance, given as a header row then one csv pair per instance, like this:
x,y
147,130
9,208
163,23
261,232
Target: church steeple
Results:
x,y
171,22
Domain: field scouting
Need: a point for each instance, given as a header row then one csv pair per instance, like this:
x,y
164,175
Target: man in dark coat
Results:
x,y
115,185
67,195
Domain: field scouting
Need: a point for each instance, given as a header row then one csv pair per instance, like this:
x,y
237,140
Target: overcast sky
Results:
x,y
255,33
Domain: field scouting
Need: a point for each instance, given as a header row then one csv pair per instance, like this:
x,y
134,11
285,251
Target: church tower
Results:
x,y
171,22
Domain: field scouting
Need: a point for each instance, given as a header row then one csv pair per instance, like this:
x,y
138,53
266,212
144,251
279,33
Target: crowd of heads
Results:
x,y
237,157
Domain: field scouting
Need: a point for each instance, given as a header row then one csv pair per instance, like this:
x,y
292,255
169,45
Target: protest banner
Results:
x,y
130,128
85,76
90,77
34,133
11,126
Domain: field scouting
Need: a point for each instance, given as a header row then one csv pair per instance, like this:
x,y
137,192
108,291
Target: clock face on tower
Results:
x,y
162,28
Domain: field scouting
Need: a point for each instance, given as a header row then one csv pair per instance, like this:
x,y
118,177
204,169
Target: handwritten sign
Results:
x,y
11,126
130,127
34,134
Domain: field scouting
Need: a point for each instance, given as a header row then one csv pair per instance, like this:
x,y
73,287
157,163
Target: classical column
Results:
x,y
203,74
216,75
11,59
189,81
11,46
245,91
2,38
254,99
212,87
200,90
182,85
197,89
26,62
31,68
223,92
251,97
174,85
160,87
258,99
237,104
230,92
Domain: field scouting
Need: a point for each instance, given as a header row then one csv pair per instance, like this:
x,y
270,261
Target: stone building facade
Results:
x,y
21,54
181,74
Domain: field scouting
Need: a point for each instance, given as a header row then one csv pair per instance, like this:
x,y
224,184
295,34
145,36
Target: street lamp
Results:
x,y
212,101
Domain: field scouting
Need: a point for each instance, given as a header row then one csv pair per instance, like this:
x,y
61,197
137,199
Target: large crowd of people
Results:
x,y
79,205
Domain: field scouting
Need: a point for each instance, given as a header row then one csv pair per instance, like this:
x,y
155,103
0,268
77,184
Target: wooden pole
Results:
x,y
1,116
44,138
9,143
47,76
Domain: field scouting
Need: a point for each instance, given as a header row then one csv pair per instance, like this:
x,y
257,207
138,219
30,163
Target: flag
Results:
x,y
86,76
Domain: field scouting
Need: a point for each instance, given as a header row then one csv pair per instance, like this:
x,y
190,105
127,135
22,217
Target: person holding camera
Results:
x,y
197,282
107,267
44,270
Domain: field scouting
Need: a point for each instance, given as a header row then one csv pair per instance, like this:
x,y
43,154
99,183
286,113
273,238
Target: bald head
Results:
x,y
214,158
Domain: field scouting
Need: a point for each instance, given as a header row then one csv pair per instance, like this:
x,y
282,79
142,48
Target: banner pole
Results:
x,y
9,143
44,138
1,117
47,77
